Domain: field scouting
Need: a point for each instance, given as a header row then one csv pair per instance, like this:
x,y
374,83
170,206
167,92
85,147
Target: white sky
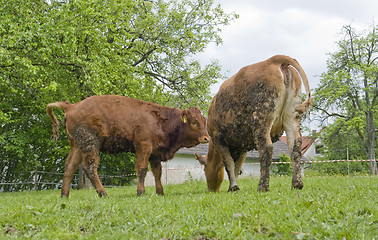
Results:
x,y
304,30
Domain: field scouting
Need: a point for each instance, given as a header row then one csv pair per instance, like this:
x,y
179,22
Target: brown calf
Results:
x,y
116,124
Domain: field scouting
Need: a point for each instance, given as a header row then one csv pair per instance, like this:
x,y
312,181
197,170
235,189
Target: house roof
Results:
x,y
306,142
279,147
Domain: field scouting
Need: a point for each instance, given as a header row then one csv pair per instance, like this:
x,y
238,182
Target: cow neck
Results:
x,y
174,134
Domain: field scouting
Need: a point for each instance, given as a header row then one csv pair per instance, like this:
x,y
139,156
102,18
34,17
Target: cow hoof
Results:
x,y
103,194
64,196
233,188
263,189
298,185
140,193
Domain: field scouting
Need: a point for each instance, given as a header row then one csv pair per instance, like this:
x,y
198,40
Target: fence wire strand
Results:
x,y
36,182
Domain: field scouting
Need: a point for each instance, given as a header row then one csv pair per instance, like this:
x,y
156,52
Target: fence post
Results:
x,y
84,181
348,159
166,172
35,180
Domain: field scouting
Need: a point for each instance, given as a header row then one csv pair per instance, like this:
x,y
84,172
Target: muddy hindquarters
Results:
x,y
239,116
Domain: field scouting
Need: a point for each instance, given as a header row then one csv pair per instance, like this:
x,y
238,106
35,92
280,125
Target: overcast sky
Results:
x,y
304,30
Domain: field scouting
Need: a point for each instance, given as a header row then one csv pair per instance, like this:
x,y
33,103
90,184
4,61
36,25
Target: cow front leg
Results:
x,y
156,170
72,163
143,153
90,165
229,164
239,163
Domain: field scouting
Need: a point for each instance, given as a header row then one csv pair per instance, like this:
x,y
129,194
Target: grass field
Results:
x,y
327,208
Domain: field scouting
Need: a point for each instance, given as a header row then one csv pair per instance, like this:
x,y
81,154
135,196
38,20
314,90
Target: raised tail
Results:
x,y
55,122
291,61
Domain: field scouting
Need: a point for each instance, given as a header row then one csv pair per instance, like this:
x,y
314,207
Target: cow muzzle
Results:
x,y
204,139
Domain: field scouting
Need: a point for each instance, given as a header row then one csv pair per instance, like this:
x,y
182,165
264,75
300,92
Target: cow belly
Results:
x,y
163,154
117,144
236,136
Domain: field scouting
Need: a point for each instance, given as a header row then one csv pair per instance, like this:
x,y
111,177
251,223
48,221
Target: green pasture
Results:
x,y
327,208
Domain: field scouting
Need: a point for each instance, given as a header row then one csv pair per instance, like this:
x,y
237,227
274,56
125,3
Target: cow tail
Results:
x,y
288,60
55,122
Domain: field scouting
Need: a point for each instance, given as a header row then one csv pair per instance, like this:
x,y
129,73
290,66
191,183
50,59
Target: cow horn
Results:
x,y
201,158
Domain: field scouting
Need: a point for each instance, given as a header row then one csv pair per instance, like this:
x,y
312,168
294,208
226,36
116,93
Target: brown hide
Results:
x,y
116,124
250,111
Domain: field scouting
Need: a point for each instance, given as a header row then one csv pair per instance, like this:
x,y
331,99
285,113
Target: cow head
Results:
x,y
194,127
214,170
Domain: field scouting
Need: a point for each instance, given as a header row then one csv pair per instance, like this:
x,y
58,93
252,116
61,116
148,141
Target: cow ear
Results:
x,y
184,116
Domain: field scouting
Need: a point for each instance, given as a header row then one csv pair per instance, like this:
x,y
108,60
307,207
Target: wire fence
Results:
x,y
325,161
36,183
34,180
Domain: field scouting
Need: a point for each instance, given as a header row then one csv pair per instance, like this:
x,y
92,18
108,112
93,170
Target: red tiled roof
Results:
x,y
306,142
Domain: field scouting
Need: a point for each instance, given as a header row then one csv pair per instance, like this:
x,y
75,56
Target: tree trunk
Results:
x,y
84,181
373,164
370,144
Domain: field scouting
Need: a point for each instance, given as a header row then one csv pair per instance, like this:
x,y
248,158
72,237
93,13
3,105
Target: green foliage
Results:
x,y
347,95
119,169
341,142
326,208
340,168
283,168
57,50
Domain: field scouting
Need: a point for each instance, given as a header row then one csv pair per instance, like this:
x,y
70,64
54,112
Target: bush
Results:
x,y
119,169
283,168
340,168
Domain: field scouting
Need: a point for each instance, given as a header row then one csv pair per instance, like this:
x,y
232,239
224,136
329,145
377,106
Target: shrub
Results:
x,y
341,168
283,168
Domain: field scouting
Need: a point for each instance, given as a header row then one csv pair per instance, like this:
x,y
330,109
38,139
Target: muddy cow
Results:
x,y
116,124
250,111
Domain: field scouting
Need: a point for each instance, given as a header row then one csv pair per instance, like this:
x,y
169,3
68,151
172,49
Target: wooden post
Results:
x,y
84,181
348,159
35,180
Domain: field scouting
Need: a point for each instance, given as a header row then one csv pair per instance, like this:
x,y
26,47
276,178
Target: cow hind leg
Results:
x,y
294,142
295,148
265,149
266,153
143,153
90,164
72,163
296,156
156,170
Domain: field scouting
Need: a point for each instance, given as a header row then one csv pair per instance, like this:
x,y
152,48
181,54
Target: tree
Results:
x,y
341,142
348,91
56,50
